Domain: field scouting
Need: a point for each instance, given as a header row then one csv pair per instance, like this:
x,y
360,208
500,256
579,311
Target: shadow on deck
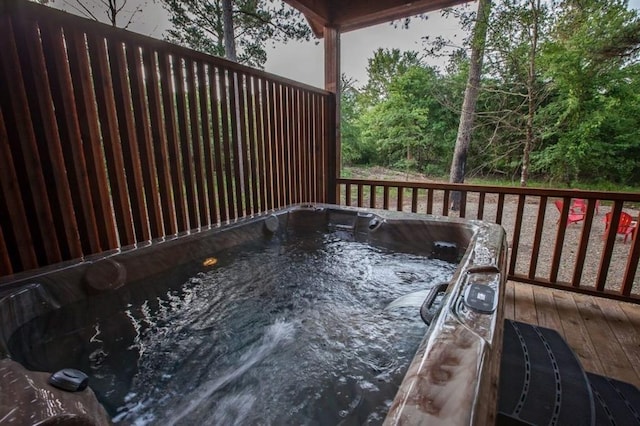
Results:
x,y
603,333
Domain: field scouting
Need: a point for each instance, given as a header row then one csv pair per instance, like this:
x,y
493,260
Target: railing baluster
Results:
x,y
481,199
607,253
632,263
515,241
414,200
582,248
400,199
385,197
372,196
360,191
535,250
445,203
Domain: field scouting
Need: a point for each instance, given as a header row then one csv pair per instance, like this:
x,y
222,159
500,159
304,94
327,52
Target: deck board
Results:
x,y
604,334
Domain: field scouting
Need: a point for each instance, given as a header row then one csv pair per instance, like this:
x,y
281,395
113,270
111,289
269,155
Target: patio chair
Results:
x,y
573,217
579,205
626,226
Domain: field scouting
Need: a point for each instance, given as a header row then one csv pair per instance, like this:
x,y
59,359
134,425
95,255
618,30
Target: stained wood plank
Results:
x,y
600,334
182,102
214,89
575,332
201,211
546,311
234,115
91,137
526,312
106,104
127,133
51,134
207,147
624,320
145,144
13,199
159,141
22,118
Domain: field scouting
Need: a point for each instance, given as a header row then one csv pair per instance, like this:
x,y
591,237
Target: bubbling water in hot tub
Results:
x,y
290,330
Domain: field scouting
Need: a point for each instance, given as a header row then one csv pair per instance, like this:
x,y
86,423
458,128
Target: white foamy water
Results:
x,y
277,334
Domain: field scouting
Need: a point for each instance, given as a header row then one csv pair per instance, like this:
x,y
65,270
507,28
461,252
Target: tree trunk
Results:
x,y
229,36
531,80
465,128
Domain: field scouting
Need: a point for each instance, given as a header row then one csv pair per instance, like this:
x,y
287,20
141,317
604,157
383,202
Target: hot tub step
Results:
x,y
616,402
541,379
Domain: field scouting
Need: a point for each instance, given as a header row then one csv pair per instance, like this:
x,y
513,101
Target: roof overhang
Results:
x,y
349,15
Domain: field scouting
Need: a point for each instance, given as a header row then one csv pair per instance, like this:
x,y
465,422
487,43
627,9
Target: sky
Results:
x,y
304,61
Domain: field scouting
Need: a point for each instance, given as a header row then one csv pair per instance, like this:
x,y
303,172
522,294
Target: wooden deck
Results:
x,y
604,334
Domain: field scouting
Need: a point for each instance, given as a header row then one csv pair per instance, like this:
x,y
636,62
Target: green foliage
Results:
x,y
400,118
198,24
572,90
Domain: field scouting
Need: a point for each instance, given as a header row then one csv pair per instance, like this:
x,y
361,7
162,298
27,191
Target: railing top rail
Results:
x,y
32,10
507,190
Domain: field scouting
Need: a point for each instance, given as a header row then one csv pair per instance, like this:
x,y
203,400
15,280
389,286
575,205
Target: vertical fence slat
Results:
x,y
400,199
128,138
5,262
535,250
159,141
557,252
28,144
515,241
17,215
582,248
430,201
265,178
607,252
500,209
92,141
244,148
385,197
270,151
201,213
414,200
111,139
254,142
235,141
481,200
226,142
632,264
145,145
53,142
181,65
360,195
347,194
372,196
215,77
463,204
204,87
445,203
169,104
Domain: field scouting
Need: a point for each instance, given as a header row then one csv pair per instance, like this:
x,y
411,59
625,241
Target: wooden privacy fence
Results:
x,y
109,139
545,249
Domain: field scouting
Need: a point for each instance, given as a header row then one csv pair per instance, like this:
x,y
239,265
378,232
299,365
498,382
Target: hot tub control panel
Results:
x,y
481,298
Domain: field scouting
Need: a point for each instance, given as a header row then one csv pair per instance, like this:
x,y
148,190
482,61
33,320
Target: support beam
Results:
x,y
332,84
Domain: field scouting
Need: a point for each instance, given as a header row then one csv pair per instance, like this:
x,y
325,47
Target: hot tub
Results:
x,y
312,314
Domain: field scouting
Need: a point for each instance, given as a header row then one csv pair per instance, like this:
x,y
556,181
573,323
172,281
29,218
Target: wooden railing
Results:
x,y
109,139
544,249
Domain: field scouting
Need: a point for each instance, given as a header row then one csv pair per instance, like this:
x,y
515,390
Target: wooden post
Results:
x,y
332,84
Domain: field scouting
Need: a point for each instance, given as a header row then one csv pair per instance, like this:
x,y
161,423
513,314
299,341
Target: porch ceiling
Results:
x,y
355,14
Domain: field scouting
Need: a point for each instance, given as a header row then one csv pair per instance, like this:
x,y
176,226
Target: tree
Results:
x,y
200,25
97,10
382,68
595,110
458,164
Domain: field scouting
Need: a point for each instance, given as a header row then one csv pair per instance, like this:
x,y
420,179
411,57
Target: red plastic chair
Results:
x,y
626,226
580,205
574,216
